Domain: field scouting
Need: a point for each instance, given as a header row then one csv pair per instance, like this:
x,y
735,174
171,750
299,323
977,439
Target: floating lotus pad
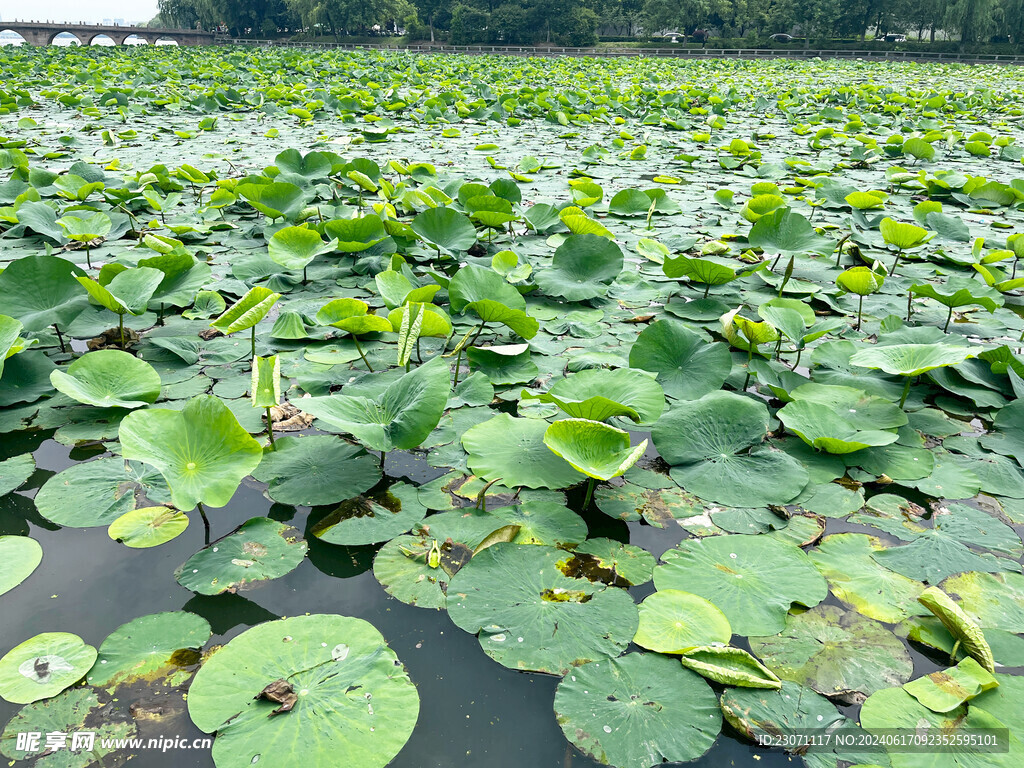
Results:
x,y
43,666
333,681
109,378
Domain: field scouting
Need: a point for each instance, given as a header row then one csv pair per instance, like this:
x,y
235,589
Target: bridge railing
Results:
x,y
687,53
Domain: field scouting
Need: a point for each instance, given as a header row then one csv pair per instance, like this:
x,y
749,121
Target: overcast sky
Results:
x,y
78,10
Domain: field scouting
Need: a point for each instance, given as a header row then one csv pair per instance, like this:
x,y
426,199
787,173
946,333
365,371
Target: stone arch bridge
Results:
x,y
43,33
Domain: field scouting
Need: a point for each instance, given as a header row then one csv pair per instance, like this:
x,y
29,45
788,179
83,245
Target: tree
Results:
x,y
436,13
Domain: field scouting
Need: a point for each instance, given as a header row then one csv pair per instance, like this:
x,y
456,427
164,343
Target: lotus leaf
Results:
x,y
109,378
43,666
672,621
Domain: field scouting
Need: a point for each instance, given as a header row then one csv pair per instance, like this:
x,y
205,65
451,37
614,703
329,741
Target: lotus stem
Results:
x,y
910,306
270,429
707,289
359,349
778,348
478,332
160,315
458,365
860,311
88,257
383,459
896,263
906,391
750,359
839,249
304,274
206,521
952,654
419,355
252,336
120,327
949,316
60,338
590,493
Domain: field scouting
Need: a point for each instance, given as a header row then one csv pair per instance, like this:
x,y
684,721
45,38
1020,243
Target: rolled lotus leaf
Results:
x,y
730,666
959,625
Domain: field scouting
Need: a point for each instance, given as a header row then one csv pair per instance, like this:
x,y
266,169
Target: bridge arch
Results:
x,y
64,37
166,40
102,39
137,39
10,37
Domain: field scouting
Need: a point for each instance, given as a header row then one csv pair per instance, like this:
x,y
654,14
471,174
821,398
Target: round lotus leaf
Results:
x,y
258,550
945,690
637,711
403,568
295,247
610,562
902,235
785,231
992,600
19,557
109,378
513,451
894,708
658,506
600,394
582,268
315,470
368,519
531,616
673,621
832,500
910,359
838,653
335,686
857,579
15,471
150,648
541,522
713,445
148,527
860,280
43,666
41,291
445,229
202,451
79,709
796,712
752,579
98,492
596,449
687,367
825,428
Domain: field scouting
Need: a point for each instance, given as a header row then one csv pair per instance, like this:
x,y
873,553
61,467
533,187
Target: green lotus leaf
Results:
x,y
42,290
706,271
109,378
611,562
582,268
993,600
824,428
295,247
400,417
836,653
960,292
910,359
946,690
593,447
903,236
860,582
687,368
73,711
202,451
752,579
353,696
600,394
396,290
380,516
265,389
792,712
862,281
10,342
258,550
356,235
206,304
596,711
276,200
434,321
577,222
83,229
761,205
512,591
15,471
445,229
97,492
149,648
862,410
476,285
1007,437
129,291
672,621
316,470
512,450
43,666
20,556
785,231
729,666
959,625
709,442
247,311
148,527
